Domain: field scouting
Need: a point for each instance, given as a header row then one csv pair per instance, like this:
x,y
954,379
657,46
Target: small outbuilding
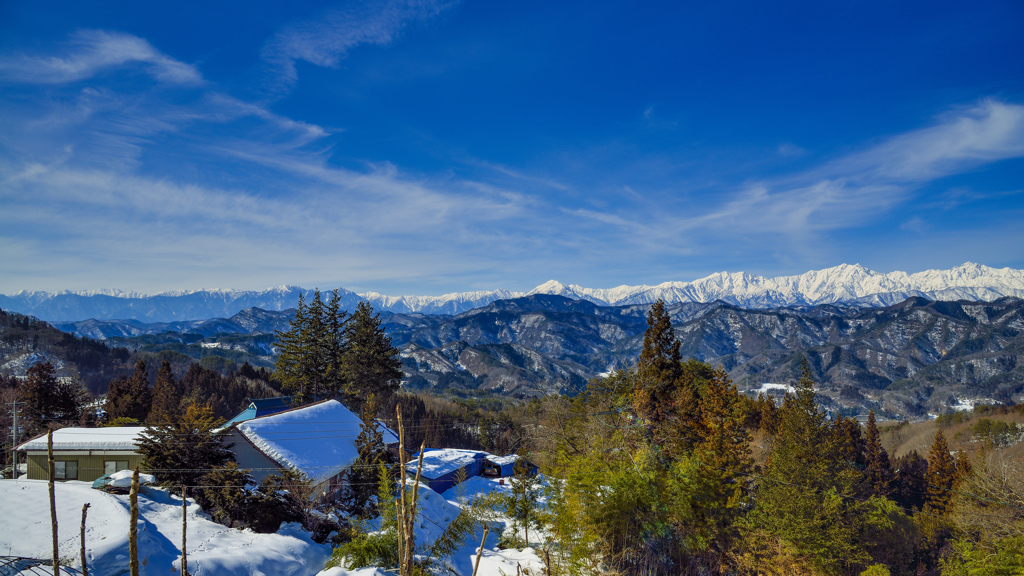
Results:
x,y
441,466
84,453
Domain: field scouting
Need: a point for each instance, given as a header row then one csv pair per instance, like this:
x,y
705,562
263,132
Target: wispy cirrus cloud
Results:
x,y
93,51
327,39
855,189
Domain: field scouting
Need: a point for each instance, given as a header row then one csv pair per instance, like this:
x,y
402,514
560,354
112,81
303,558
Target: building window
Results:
x,y
65,470
111,466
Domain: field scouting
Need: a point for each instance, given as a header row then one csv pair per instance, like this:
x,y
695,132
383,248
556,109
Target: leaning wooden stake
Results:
x,y
481,551
184,527
406,509
53,502
85,568
133,529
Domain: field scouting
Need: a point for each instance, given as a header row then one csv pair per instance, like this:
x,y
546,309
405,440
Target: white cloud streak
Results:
x,y
327,39
94,52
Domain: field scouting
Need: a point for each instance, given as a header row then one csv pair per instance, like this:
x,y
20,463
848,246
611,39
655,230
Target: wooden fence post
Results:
x,y
53,502
133,529
85,568
184,527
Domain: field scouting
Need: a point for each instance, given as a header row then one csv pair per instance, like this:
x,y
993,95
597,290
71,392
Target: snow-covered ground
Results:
x,y
214,549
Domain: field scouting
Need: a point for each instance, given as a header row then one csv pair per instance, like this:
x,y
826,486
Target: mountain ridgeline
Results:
x,y
844,284
915,357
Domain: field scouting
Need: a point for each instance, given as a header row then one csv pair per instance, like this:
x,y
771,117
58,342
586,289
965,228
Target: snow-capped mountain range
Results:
x,y
844,284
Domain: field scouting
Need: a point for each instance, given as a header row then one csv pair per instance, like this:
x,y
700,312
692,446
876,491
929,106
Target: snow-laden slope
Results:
x,y
212,548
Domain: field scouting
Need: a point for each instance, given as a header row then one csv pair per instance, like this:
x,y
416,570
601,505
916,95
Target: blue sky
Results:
x,y
429,147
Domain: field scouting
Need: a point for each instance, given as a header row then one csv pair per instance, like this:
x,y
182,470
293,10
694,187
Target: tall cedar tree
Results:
x,y
166,397
878,468
130,397
49,399
725,462
909,483
180,454
941,475
310,364
805,498
372,366
658,368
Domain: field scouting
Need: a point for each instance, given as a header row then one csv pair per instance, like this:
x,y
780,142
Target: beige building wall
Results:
x,y
87,464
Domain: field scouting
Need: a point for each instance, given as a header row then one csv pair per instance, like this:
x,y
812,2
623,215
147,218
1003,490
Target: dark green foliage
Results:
x,y
49,400
997,432
279,498
183,452
358,488
130,397
877,467
313,352
941,476
381,547
909,485
225,494
373,370
230,498
521,504
166,396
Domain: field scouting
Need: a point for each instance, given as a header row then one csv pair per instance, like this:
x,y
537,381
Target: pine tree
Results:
x,y
521,503
360,478
805,498
336,346
166,397
49,399
372,366
314,361
658,368
878,468
941,475
182,452
288,368
723,454
130,397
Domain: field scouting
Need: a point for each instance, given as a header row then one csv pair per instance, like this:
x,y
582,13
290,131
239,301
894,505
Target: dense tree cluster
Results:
x,y
325,353
659,476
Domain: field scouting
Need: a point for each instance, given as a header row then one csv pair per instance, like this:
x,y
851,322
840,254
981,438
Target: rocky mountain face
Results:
x,y
915,357
845,284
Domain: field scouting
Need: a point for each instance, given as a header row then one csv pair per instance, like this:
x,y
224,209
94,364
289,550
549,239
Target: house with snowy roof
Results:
x,y
318,441
443,467
84,453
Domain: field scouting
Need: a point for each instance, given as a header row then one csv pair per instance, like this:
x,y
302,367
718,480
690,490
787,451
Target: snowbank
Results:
x,y
212,548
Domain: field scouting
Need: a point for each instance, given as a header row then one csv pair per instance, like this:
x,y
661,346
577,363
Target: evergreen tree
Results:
x,y
49,399
336,347
314,362
909,490
521,503
941,476
723,454
181,453
166,396
658,368
372,366
130,397
878,468
806,496
289,365
361,477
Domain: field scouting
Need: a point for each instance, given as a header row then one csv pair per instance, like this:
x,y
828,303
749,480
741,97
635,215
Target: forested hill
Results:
x,y
908,359
25,341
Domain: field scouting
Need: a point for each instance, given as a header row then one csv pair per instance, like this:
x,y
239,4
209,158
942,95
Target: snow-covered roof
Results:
x,y
440,461
112,438
318,440
388,436
504,460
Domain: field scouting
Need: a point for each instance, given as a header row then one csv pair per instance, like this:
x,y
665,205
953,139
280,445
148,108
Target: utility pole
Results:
x,y
14,438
